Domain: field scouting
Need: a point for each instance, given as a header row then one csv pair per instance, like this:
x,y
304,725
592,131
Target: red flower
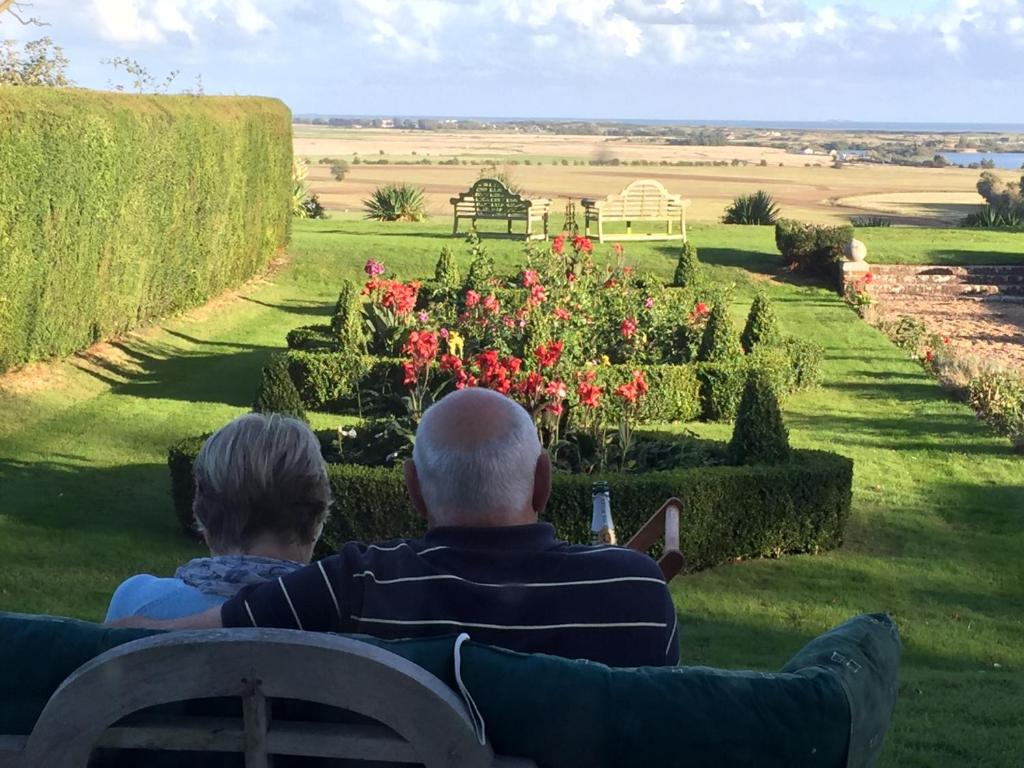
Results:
x,y
548,356
589,394
929,356
513,363
399,296
492,305
869,278
558,245
561,314
451,363
537,294
421,346
530,278
472,299
529,386
570,277
628,327
627,392
409,369
611,282
557,390
946,340
617,248
640,382
701,308
582,244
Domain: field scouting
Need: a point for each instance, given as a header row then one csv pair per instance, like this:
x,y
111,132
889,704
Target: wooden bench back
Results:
x,y
644,198
490,197
421,719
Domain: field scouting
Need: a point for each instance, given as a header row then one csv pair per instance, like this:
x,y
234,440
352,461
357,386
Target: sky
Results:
x,y
872,60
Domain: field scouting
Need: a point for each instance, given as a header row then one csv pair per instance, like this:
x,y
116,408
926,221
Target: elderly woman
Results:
x,y
261,500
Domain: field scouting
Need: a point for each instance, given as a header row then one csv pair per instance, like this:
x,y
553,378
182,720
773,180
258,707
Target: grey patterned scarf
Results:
x,y
224,575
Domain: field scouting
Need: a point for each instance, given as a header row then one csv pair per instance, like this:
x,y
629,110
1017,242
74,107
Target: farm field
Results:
x,y
935,536
908,195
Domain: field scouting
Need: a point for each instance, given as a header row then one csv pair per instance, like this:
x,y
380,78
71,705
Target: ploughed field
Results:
x,y
806,186
935,537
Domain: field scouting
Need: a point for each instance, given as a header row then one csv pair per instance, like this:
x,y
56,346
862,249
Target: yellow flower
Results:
x,y
605,360
455,343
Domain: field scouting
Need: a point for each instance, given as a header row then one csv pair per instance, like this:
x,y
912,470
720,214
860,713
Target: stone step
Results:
x,y
953,290
943,279
962,270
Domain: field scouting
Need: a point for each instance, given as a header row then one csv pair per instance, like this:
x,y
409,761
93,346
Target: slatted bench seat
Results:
x,y
489,199
643,200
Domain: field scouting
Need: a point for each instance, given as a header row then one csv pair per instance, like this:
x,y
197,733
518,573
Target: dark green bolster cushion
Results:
x,y
829,706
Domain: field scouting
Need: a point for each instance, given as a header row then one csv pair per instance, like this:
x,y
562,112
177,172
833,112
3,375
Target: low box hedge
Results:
x,y
728,512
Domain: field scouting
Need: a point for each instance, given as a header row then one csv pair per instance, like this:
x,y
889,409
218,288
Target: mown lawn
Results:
x,y
936,537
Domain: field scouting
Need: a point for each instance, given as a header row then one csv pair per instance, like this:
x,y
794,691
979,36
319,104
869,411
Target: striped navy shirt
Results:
x,y
516,587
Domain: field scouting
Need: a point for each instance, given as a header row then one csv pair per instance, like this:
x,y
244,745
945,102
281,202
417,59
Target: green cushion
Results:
x,y
830,706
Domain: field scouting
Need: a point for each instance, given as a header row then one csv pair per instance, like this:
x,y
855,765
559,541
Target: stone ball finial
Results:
x,y
856,250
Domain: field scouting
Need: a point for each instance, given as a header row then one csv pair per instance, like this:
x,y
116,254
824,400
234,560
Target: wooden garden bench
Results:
x,y
418,719
489,199
643,200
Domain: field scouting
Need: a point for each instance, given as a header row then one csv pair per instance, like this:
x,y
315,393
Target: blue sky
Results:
x,y
894,60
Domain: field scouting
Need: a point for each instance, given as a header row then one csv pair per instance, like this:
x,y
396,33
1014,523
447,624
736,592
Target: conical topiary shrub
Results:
x,y
762,326
447,272
277,392
760,436
720,343
688,272
347,321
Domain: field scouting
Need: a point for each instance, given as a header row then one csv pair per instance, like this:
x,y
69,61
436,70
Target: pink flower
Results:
x,y
561,314
491,304
423,317
472,299
618,249
628,327
558,245
373,268
537,294
530,278
648,302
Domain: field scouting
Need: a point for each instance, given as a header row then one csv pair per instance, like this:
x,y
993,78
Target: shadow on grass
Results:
x,y
147,370
954,257
131,499
310,309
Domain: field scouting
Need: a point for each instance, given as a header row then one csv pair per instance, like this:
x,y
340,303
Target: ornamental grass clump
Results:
x,y
760,436
720,343
396,202
758,208
277,392
688,270
762,328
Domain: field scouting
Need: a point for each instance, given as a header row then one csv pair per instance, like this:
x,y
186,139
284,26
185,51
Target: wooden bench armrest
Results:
x,y
664,522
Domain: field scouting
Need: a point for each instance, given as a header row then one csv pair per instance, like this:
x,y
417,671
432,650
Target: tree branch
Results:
x,y
15,9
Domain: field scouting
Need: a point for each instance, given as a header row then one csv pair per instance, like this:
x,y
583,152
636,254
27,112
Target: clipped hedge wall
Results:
x,y
728,512
118,209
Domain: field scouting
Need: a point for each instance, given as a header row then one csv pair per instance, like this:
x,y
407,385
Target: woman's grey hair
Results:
x,y
261,474
476,456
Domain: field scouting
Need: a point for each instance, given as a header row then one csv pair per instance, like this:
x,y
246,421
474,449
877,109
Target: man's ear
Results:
x,y
412,485
542,482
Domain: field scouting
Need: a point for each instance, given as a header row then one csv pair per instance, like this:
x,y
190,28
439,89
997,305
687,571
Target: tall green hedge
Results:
x,y
728,512
118,209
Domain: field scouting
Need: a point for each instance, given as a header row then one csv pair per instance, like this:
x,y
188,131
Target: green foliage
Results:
x,y
481,267
396,202
347,322
121,209
998,397
720,342
180,458
762,328
313,338
277,392
446,272
731,512
721,386
863,222
758,208
805,359
759,437
989,217
339,170
812,248
324,379
688,269
310,208
40,63
673,395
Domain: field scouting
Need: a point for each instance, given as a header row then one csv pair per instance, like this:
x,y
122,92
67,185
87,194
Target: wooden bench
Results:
x,y
643,200
489,199
417,718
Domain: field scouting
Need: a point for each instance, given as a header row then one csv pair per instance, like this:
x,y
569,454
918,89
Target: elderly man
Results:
x,y
485,566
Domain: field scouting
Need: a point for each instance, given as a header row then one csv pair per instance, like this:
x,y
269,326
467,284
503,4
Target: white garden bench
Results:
x,y
418,718
489,199
643,200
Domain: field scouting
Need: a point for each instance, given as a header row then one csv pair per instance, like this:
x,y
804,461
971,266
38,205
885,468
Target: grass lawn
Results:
x,y
936,536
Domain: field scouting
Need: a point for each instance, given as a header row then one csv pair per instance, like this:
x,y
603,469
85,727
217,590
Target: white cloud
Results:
x,y
121,20
250,19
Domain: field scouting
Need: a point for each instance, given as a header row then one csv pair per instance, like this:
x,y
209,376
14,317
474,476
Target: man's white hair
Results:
x,y
476,454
